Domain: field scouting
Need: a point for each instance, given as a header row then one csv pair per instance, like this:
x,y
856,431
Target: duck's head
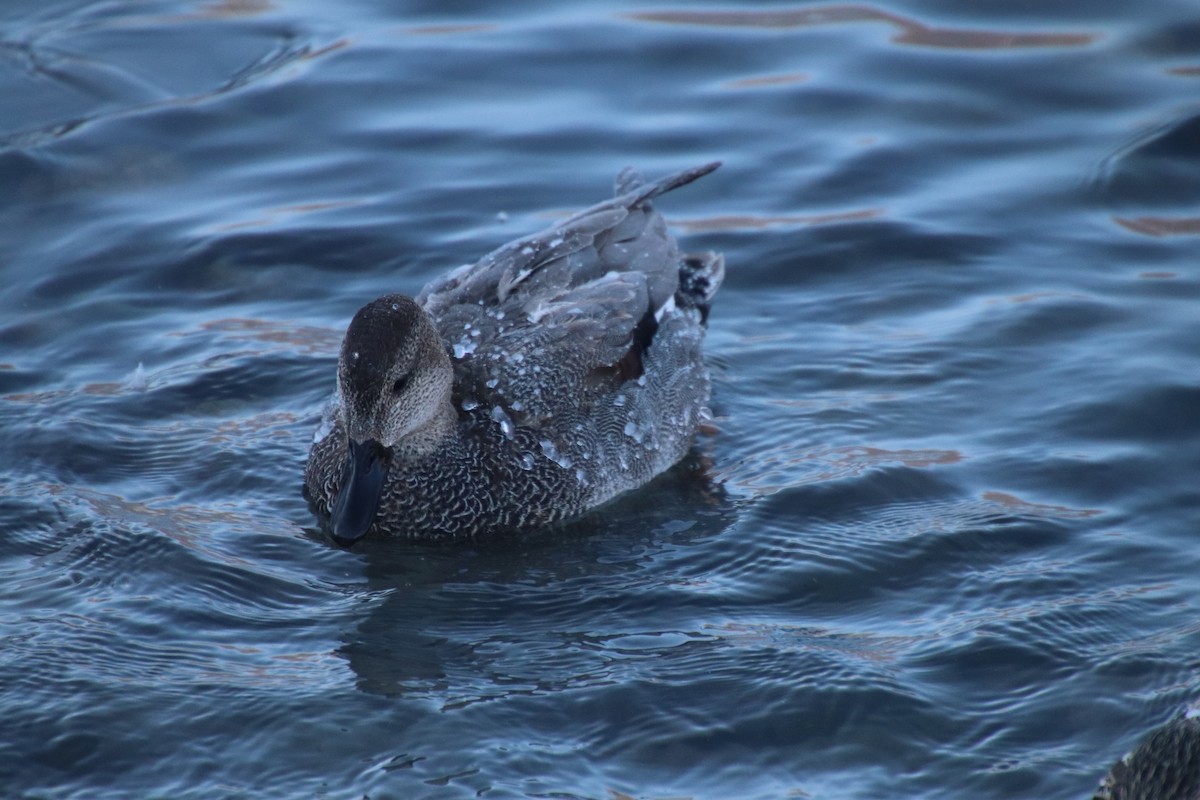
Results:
x,y
395,380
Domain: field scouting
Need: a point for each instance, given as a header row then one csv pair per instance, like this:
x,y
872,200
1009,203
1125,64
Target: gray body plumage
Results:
x,y
577,375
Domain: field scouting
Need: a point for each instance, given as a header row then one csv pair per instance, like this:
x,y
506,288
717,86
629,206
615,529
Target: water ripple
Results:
x,y
111,85
940,544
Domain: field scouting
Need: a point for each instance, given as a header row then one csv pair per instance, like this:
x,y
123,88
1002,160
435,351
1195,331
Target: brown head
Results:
x,y
395,380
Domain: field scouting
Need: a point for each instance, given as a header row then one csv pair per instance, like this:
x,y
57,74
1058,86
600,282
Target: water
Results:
x,y
943,545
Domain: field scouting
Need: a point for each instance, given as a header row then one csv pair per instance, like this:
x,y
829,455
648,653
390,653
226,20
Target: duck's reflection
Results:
x,y
468,621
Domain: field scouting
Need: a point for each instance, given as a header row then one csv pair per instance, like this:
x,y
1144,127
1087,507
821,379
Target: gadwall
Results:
x,y
559,371
1165,766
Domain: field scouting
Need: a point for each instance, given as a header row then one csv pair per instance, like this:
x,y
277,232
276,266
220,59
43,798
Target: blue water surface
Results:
x,y
943,545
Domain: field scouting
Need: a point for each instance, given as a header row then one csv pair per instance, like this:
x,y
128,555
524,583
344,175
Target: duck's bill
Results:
x,y
363,476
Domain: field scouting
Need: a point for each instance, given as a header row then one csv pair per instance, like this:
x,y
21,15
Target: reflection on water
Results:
x,y
909,31
446,30
1161,226
763,81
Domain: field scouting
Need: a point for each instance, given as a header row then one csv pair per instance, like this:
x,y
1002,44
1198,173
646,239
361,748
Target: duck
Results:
x,y
1164,766
557,372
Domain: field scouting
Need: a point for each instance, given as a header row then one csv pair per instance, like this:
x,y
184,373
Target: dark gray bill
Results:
x,y
363,476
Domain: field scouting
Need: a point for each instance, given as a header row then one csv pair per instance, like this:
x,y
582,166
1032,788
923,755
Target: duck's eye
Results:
x,y
399,386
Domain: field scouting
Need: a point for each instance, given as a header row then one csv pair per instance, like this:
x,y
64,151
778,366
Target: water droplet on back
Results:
x,y
506,424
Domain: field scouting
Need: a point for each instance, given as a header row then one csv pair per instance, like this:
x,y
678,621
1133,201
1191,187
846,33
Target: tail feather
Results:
x,y
632,180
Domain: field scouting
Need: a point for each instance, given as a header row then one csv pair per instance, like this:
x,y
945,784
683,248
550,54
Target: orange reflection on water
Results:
x,y
1019,506
444,30
305,339
909,31
272,216
766,80
917,459
1161,226
224,9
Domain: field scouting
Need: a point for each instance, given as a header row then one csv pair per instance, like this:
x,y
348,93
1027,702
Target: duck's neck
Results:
x,y
431,436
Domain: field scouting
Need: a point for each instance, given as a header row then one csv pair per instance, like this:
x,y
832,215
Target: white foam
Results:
x,y
137,379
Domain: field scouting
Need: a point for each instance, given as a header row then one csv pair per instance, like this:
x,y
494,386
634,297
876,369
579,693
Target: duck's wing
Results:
x,y
624,234
567,353
565,309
